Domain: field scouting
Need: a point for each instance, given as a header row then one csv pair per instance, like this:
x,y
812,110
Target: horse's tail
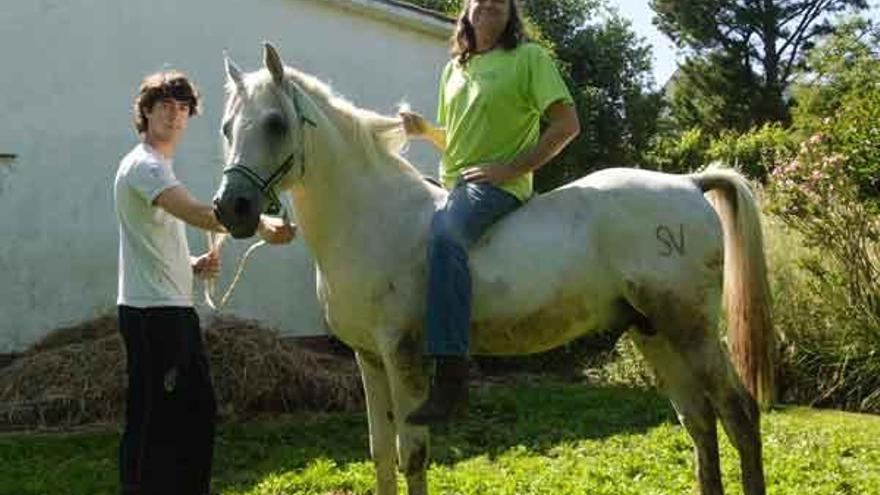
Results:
x,y
746,291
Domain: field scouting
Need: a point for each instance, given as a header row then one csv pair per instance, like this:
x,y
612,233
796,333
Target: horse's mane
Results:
x,y
382,137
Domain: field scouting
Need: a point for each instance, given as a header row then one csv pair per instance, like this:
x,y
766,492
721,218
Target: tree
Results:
x,y
756,44
714,93
608,68
559,20
610,71
839,67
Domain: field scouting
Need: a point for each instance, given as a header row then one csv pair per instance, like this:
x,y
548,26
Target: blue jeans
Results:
x,y
469,211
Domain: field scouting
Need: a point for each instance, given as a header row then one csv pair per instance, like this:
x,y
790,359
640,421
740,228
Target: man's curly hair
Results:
x,y
159,86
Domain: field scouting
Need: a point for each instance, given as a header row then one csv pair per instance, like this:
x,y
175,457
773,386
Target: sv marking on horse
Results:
x,y
364,211
671,244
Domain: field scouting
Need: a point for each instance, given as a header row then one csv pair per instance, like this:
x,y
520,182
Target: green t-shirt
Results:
x,y
491,109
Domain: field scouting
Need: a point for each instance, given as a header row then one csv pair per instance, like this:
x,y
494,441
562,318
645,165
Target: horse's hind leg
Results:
x,y
689,397
381,421
741,420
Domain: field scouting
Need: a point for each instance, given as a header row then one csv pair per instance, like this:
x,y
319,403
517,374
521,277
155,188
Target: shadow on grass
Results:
x,y
537,417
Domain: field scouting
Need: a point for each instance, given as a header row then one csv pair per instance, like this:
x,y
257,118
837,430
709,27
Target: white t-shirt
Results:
x,y
154,262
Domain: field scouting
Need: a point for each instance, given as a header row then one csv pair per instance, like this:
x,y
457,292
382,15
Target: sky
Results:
x,y
665,53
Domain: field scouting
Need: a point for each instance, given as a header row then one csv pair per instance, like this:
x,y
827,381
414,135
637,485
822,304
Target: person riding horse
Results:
x,y
493,94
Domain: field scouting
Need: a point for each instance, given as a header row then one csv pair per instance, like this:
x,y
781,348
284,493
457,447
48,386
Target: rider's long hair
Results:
x,y
464,41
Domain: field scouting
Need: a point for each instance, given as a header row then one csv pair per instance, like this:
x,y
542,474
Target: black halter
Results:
x,y
267,186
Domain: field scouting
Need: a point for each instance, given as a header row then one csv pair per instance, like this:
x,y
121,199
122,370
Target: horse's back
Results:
x,y
560,266
650,219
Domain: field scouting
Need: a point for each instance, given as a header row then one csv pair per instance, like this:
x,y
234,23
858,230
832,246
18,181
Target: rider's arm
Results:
x,y
417,127
437,137
177,201
562,127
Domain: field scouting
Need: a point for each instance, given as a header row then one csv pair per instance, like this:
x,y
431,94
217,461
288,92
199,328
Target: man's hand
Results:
x,y
207,265
276,230
492,173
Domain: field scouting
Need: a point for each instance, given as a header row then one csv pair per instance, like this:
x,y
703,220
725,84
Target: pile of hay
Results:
x,y
77,376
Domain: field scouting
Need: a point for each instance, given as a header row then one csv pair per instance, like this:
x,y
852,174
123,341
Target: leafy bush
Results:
x,y
855,136
827,357
829,194
625,365
830,357
753,153
679,154
449,7
838,98
820,193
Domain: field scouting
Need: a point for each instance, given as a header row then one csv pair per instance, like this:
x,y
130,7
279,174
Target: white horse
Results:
x,y
618,249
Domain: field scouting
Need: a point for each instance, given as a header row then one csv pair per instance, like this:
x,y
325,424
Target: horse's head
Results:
x,y
262,143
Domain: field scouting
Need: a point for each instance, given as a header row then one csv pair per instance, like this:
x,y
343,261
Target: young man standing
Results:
x,y
167,446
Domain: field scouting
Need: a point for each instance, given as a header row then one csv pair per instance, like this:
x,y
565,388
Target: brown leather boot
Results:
x,y
448,396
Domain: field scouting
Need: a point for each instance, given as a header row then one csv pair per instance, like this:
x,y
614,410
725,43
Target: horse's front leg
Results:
x,y
380,414
409,388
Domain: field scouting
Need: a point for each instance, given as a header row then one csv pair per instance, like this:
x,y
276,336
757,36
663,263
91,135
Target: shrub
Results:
x,y
679,154
827,358
820,194
753,153
830,356
625,365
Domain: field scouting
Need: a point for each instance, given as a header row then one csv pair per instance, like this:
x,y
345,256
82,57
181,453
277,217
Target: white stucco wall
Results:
x,y
68,72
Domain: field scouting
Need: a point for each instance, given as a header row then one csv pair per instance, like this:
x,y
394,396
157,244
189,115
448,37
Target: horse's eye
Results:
x,y
227,130
275,125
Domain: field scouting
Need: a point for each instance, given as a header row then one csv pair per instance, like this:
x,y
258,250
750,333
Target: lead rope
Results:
x,y
215,242
211,283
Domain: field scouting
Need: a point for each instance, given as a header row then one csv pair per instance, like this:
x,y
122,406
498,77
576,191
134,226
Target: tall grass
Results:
x,y
829,349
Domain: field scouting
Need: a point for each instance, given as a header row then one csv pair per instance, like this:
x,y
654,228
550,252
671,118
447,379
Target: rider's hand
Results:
x,y
492,173
207,265
414,124
276,230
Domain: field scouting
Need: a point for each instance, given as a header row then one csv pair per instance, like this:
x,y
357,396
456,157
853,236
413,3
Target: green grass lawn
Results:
x,y
522,439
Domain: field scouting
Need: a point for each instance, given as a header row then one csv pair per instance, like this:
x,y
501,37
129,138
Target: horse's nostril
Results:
x,y
242,207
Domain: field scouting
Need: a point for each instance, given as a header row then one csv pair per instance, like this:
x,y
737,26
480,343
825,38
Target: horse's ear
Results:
x,y
233,73
273,62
